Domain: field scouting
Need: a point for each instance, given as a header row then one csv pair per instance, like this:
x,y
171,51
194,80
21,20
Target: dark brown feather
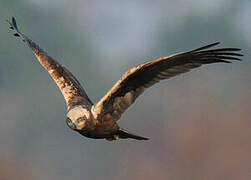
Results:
x,y
136,80
71,89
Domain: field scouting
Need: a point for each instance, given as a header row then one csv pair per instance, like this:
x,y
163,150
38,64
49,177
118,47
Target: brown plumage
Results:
x,y
99,120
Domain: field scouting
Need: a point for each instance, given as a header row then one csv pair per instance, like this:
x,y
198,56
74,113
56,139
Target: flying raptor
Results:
x,y
99,120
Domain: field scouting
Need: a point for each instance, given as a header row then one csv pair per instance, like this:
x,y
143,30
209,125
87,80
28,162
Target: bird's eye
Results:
x,y
68,120
79,120
70,124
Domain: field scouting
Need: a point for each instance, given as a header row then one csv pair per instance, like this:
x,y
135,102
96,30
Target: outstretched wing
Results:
x,y
135,81
69,86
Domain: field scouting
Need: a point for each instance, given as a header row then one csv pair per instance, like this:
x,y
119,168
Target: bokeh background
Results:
x,y
199,123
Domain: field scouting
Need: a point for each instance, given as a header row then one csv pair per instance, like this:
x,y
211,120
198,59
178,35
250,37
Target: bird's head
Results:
x,y
76,117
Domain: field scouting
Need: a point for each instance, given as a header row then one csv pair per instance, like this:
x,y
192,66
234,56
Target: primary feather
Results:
x,y
135,81
69,86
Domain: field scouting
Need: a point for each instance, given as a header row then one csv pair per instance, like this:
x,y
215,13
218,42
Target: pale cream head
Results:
x,y
76,117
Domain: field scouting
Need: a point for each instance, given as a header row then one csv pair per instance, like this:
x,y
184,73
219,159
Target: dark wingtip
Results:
x,y
206,47
13,26
214,44
16,34
14,23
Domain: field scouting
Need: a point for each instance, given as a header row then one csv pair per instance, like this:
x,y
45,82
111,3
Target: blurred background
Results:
x,y
199,123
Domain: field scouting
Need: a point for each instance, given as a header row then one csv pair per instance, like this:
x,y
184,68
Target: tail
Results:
x,y
123,134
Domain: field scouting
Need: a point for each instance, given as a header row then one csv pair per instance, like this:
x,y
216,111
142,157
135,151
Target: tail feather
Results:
x,y
123,134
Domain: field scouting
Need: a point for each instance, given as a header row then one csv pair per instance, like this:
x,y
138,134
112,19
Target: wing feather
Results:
x,y
136,80
69,86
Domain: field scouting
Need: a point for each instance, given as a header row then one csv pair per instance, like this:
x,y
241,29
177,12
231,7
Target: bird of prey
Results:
x,y
99,120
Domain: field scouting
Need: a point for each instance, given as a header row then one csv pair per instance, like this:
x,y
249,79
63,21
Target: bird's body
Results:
x,y
92,128
99,120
